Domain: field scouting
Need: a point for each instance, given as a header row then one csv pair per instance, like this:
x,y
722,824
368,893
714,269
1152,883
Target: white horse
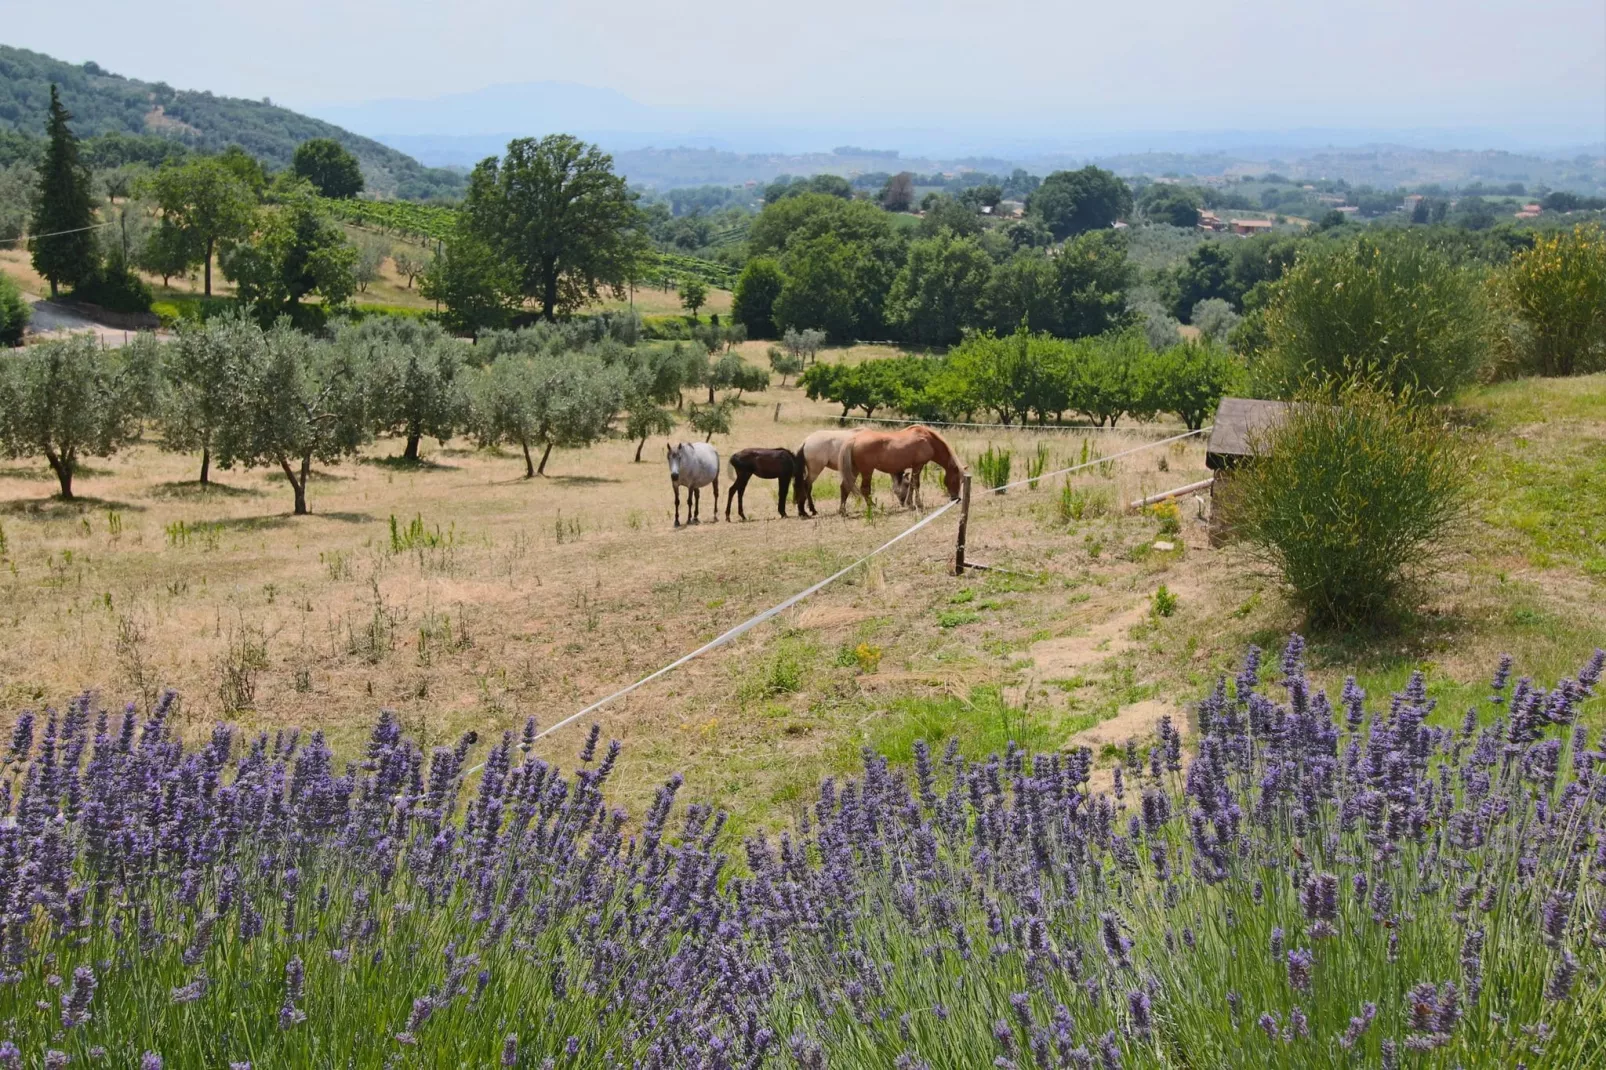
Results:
x,y
822,450
693,465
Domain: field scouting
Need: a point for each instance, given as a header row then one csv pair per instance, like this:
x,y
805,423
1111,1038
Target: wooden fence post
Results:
x,y
964,518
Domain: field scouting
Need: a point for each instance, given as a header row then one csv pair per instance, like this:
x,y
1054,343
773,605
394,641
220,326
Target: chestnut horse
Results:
x,y
820,450
869,452
778,464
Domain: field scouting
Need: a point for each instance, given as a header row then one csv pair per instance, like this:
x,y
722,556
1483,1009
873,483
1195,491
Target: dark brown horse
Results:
x,y
765,464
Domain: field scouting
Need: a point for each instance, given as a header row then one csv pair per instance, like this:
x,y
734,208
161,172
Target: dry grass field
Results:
x,y
465,597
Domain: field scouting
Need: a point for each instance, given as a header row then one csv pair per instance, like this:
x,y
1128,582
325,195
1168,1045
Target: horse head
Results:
x,y
673,450
951,479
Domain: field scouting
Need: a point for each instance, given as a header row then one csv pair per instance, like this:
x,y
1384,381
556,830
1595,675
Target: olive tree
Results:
x,y
67,400
414,376
205,375
544,401
304,402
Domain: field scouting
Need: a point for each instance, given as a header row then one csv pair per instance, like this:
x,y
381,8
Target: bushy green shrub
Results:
x,y
1392,309
115,288
14,313
1350,501
1556,296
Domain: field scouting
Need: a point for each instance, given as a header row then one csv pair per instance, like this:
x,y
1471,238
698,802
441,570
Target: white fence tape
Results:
x,y
746,625
1100,460
1069,428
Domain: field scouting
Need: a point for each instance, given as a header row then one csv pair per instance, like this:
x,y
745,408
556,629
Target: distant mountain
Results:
x,y
104,103
526,109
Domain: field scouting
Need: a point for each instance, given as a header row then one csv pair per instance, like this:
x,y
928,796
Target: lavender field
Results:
x,y
1323,883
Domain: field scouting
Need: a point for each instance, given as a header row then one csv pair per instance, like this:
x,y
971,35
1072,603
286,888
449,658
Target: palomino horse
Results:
x,y
911,449
693,465
778,464
820,451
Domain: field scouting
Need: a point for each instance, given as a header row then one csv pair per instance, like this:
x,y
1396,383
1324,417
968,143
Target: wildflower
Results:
x,y
510,1046
10,1055
1277,944
1560,986
1268,1025
1109,1051
75,1003
150,1061
1137,1004
1299,966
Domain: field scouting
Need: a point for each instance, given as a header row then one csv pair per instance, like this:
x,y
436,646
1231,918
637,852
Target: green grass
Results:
x,y
983,724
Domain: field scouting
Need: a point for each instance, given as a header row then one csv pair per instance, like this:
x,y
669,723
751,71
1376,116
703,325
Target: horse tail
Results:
x,y
844,464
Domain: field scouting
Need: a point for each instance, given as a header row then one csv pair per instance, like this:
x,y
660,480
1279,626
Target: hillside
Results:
x,y
106,103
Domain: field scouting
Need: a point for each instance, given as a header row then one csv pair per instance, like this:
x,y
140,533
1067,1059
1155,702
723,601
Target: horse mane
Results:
x,y
942,453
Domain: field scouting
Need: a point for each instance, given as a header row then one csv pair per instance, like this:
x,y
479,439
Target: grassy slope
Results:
x,y
554,592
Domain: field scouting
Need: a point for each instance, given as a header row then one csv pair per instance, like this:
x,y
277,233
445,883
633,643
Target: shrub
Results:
x,y
1349,502
241,897
1556,294
993,467
1081,503
1394,310
1164,603
14,313
115,288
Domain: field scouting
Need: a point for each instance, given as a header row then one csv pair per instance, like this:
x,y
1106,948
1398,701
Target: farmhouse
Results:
x,y
1252,226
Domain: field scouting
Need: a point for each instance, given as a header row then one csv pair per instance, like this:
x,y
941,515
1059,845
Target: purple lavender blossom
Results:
x,y
1299,969
1138,1007
150,1061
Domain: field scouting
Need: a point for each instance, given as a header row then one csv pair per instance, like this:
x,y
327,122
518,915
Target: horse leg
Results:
x,y
677,503
864,488
786,485
716,501
738,491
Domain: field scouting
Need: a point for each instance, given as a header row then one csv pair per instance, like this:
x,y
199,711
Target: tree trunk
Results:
x,y
541,468
529,465
209,267
63,467
54,290
298,488
639,447
549,294
411,452
206,466
710,393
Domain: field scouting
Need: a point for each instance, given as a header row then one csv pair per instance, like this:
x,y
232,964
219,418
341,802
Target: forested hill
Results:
x,y
106,103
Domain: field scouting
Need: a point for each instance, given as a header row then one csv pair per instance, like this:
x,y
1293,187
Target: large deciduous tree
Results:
x,y
555,212
326,164
66,400
64,248
938,294
204,204
294,254
1072,202
478,289
1092,276
753,303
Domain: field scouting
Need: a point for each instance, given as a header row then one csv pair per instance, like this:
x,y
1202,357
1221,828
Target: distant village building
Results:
x,y
1211,221
1530,211
1411,201
1252,226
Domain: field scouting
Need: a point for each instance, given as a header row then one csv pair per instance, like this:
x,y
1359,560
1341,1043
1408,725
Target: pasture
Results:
x,y
462,596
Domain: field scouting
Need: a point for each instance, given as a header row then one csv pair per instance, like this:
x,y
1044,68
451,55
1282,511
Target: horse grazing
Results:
x,y
910,450
693,465
820,451
778,464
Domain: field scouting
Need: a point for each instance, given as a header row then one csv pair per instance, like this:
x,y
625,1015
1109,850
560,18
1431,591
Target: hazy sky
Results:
x,y
1164,64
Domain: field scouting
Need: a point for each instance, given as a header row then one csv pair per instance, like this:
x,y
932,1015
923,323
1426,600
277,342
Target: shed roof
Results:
x,y
1240,419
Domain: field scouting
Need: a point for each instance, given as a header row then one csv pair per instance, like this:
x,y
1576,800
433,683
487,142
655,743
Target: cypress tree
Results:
x,y
65,204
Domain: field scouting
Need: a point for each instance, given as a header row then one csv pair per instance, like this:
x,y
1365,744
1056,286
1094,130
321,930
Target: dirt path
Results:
x,y
56,320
